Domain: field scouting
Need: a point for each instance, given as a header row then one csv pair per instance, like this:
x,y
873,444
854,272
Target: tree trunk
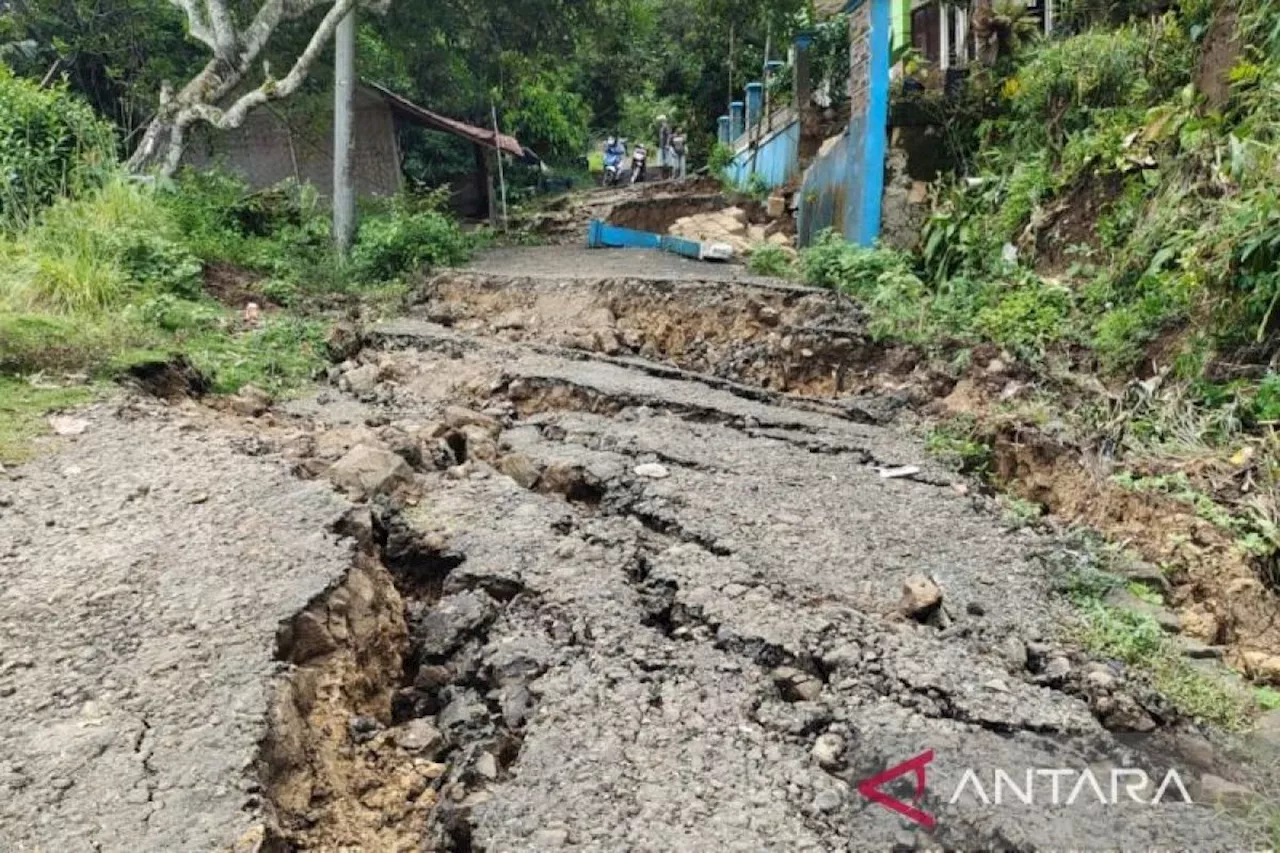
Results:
x,y
234,54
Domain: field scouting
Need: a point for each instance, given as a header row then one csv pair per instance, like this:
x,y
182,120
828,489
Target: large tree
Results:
x,y
217,95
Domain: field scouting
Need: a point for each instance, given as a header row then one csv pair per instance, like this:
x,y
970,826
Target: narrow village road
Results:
x,y
619,554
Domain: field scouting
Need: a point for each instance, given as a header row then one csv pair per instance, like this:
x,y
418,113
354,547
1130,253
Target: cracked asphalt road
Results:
x,y
774,542
146,568
699,580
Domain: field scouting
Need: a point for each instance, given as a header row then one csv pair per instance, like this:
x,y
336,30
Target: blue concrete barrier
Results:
x,y
602,235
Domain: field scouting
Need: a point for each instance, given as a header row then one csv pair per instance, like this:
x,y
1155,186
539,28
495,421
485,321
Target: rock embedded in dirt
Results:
x,y
465,716
828,751
520,468
921,598
363,728
67,425
418,736
486,766
797,685
366,472
456,618
343,341
457,417
1223,792
1163,616
1263,666
251,401
1056,670
1014,651
1122,713
360,380
479,443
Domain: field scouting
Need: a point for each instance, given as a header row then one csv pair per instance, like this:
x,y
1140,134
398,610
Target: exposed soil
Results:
x,y
795,340
233,286
1215,587
1220,53
1069,236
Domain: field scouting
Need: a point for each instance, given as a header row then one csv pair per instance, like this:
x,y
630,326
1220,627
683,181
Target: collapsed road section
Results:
x,y
652,608
601,561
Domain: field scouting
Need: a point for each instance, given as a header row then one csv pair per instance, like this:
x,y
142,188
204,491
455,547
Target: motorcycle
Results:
x,y
638,159
612,173
613,166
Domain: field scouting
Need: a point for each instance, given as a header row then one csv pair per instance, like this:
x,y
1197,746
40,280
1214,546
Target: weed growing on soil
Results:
x,y
95,271
770,261
1018,513
23,407
284,353
957,444
1137,640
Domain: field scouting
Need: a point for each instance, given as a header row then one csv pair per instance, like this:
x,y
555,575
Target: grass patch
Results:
x,y
23,408
957,444
1138,641
283,354
770,260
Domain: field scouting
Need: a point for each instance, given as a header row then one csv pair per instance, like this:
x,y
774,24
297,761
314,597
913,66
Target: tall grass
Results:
x,y
81,254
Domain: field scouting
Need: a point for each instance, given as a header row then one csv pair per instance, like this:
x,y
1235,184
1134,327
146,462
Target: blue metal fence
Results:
x,y
842,189
776,160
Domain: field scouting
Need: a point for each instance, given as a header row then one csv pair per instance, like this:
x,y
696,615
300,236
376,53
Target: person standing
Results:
x,y
678,151
665,156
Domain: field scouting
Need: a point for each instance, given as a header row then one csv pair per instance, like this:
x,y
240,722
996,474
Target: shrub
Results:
x,y
1027,316
1055,92
51,144
405,240
720,158
284,352
896,299
769,260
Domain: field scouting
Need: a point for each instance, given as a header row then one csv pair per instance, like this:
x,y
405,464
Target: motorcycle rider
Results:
x,y
678,152
639,156
613,154
665,154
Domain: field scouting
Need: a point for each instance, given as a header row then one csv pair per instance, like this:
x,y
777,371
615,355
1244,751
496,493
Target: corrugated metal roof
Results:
x,y
425,117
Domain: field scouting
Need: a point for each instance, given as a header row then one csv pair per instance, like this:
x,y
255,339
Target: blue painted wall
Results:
x,y
776,161
842,190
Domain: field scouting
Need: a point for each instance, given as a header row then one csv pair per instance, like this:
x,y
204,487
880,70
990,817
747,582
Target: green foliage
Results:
x,y
958,444
549,116
1027,316
638,117
283,353
407,239
770,260
720,159
91,253
756,188
882,279
1137,640
51,144
1057,91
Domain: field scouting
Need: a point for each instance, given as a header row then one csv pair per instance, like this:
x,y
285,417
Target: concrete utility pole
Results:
x,y
344,139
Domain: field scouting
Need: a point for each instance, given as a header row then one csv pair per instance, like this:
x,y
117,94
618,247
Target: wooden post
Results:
x,y
497,144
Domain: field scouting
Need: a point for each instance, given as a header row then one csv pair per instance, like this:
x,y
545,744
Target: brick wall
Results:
x,y
859,57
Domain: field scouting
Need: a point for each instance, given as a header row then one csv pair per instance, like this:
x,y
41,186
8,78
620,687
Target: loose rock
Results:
x,y
921,597
368,471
